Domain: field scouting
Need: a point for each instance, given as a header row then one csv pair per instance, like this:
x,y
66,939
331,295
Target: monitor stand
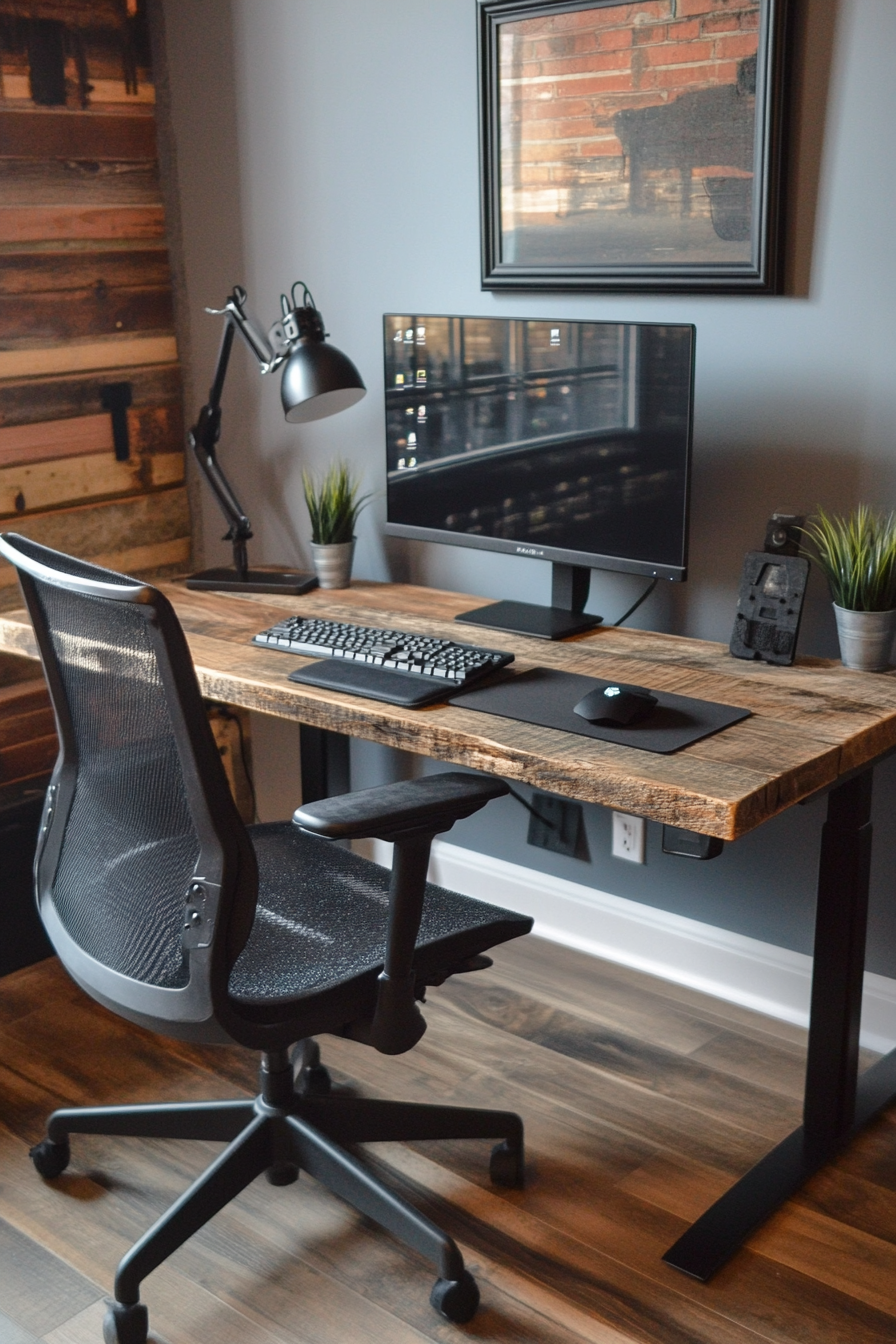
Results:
x,y
564,617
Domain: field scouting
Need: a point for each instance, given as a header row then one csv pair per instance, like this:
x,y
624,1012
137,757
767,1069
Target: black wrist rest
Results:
x,y
376,683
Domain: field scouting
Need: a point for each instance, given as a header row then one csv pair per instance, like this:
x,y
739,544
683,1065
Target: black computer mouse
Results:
x,y
615,704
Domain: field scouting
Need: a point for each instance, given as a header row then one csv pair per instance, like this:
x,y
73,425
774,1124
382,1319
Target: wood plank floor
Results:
x,y
642,1102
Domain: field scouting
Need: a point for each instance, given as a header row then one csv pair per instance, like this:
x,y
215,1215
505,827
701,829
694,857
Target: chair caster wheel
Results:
x,y
456,1299
314,1081
125,1325
505,1166
50,1159
282,1173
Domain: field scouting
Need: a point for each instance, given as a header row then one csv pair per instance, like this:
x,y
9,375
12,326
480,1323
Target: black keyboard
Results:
x,y
393,665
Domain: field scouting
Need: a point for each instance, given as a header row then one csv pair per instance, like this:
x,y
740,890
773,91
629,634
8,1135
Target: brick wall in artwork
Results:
x,y
565,79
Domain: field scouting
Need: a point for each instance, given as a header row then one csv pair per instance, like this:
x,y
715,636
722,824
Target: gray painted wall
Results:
x,y
336,141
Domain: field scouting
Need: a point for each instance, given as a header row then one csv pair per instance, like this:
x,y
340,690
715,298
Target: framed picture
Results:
x,y
632,146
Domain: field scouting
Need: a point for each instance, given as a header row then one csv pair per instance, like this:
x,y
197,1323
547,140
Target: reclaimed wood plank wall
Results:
x,y
28,743
85,293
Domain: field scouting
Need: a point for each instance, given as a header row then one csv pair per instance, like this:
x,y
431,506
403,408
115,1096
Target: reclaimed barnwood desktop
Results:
x,y
815,727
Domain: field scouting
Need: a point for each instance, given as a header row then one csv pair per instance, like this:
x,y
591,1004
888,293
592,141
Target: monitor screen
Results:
x,y
568,441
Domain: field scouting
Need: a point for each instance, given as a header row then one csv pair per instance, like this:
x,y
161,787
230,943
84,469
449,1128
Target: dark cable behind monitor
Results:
x,y
643,598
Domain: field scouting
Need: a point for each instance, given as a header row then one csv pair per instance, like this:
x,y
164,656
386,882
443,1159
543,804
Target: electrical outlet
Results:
x,y
628,837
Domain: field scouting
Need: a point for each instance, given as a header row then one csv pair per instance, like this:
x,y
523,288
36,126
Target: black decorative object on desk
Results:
x,y
770,600
318,380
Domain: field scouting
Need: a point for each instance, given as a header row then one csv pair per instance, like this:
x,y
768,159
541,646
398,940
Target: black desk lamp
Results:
x,y
318,380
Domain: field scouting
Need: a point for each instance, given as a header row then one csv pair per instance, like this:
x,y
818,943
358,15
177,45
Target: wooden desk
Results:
x,y
815,726
812,724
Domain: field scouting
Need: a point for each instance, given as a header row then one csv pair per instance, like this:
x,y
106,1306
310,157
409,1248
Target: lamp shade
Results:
x,y
318,380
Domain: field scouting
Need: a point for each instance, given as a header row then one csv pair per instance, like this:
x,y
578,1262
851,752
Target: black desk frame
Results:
x,y
324,763
837,1102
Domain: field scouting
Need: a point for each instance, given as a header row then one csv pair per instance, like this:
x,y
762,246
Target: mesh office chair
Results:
x,y
169,911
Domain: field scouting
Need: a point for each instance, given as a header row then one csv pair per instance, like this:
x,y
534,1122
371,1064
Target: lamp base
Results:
x,y
224,579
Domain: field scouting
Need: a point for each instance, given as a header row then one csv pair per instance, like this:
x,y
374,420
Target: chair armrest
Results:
x,y
414,806
410,814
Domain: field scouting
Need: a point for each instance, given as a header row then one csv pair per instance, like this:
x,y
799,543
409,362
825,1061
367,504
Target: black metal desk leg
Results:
x,y
832,1063
325,763
841,920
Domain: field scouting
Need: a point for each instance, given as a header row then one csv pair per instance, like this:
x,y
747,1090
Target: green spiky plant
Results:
x,y
333,504
857,554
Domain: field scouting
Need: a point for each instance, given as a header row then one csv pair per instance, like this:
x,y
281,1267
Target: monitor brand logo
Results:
x,y
528,550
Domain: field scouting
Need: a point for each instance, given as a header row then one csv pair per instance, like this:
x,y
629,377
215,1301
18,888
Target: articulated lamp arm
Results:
x,y
206,432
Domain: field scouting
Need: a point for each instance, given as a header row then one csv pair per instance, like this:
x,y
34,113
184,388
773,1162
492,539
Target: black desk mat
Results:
x,y
546,697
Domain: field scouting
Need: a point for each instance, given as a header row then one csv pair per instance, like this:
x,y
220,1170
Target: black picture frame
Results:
x,y
597,118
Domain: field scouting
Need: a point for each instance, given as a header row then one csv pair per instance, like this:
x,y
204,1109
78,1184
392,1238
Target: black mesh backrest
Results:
x,y
130,841
130,846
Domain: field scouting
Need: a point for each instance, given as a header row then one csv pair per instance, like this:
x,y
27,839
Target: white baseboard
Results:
x,y
727,965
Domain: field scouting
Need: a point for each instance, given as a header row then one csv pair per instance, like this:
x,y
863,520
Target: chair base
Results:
x,y
288,1129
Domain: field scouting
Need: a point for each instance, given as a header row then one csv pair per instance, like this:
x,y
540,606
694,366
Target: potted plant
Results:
x,y
333,505
857,554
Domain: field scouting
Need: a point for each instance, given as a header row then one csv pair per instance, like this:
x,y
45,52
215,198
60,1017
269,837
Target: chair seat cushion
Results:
x,y
321,921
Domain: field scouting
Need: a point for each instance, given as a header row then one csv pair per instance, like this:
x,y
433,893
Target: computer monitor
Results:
x,y
566,441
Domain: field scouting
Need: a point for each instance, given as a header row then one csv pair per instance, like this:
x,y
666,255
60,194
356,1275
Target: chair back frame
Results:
x,y
219,904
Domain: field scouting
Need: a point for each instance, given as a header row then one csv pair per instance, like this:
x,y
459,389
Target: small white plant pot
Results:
x,y
866,638
333,563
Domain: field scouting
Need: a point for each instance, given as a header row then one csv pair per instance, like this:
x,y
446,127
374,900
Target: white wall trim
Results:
x,y
715,961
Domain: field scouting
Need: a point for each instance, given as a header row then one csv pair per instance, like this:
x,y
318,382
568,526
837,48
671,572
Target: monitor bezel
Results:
x,y
556,554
